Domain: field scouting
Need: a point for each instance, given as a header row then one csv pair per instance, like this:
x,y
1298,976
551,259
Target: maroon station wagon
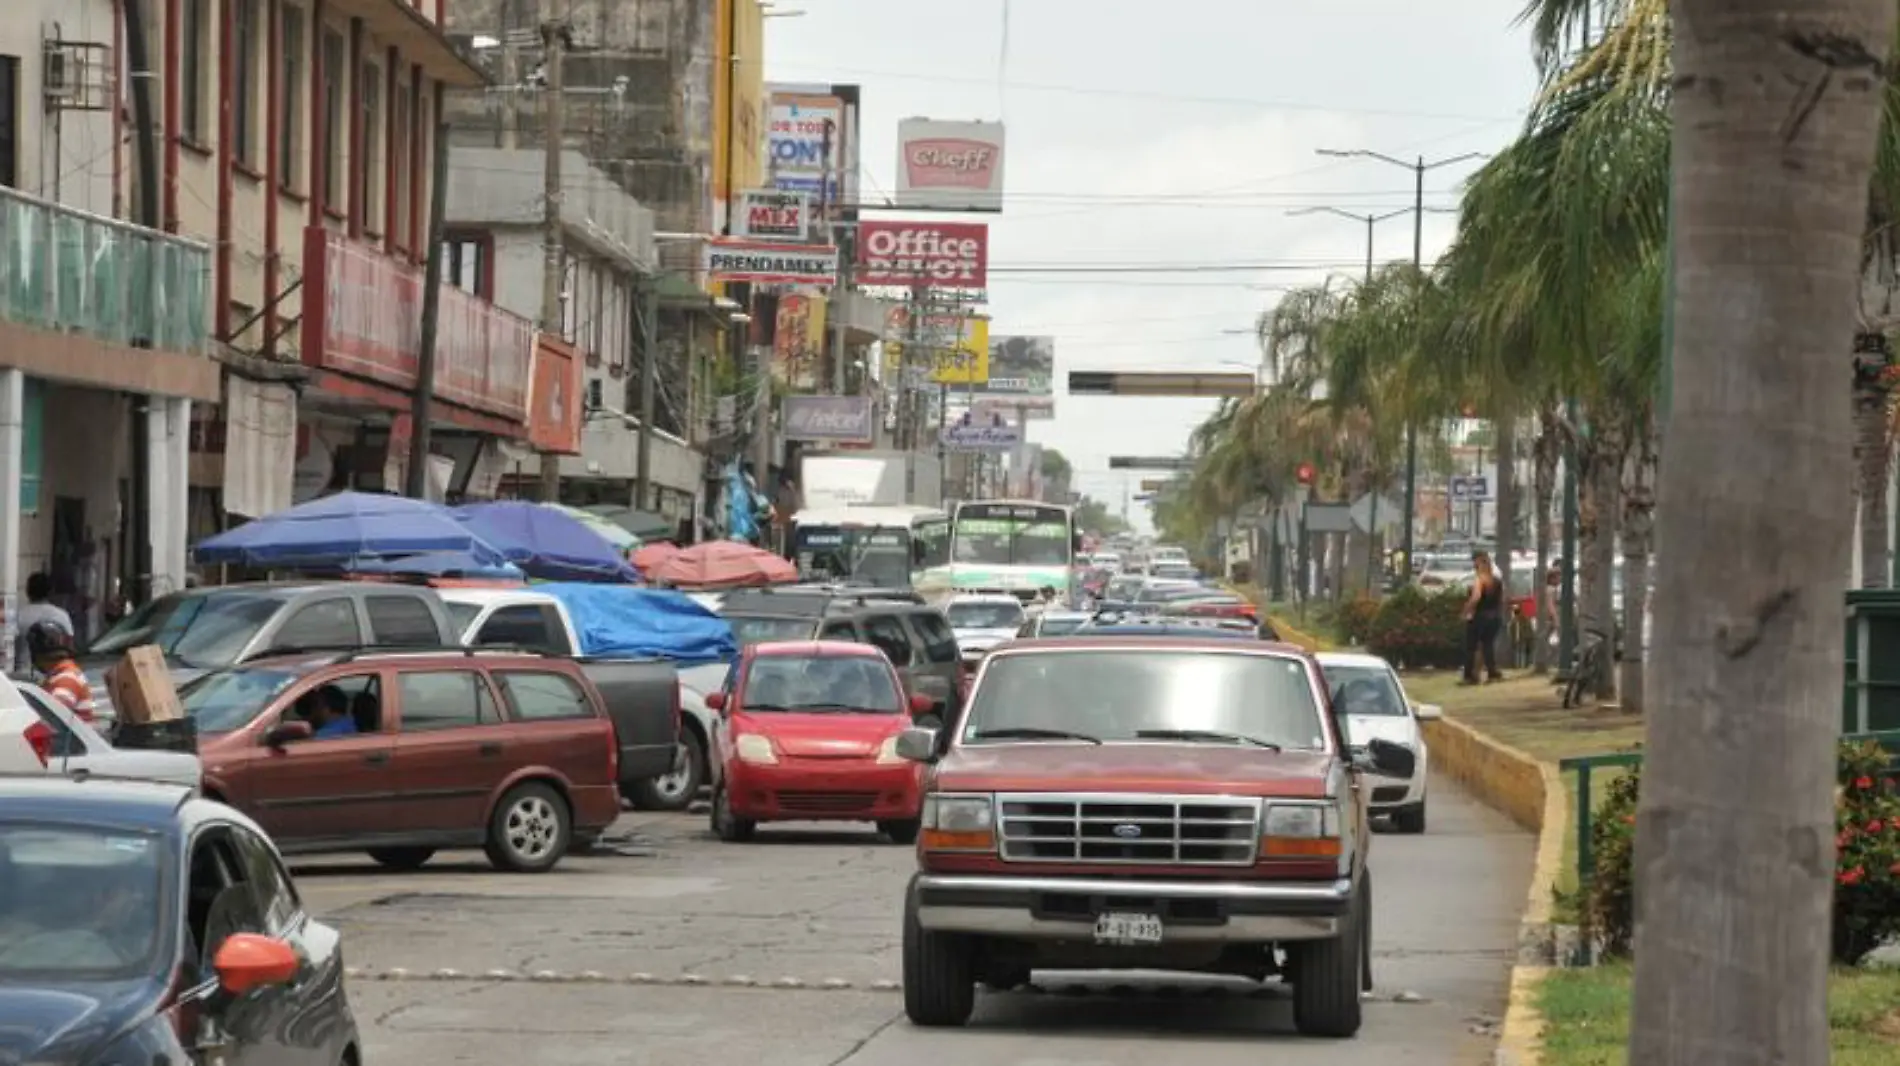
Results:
x,y
414,752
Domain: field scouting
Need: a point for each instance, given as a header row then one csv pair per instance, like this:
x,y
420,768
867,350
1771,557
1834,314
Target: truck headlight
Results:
x,y
1303,831
755,749
958,823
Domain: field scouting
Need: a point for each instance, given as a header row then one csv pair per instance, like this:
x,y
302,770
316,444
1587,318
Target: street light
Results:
x,y
1370,221
1418,168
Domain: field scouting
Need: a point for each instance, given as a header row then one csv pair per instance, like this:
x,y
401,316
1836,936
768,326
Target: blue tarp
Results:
x,y
624,622
333,530
546,543
435,564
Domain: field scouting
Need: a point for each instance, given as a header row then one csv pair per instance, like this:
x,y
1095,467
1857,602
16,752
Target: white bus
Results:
x,y
1014,546
885,546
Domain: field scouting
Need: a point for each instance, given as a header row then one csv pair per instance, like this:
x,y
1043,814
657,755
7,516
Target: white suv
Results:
x,y
38,735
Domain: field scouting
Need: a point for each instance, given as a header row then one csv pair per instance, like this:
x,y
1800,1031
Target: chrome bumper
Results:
x,y
1062,908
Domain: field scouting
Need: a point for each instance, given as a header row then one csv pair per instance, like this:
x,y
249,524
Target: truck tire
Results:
x,y
674,791
1410,819
901,831
1327,975
939,973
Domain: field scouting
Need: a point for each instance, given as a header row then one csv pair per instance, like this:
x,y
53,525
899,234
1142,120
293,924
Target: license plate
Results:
x,y
1128,929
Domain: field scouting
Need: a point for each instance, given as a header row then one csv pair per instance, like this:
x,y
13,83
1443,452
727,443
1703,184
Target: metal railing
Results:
x,y
66,270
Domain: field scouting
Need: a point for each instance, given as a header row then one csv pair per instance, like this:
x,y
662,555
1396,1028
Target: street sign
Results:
x,y
1149,462
1328,518
1468,487
1152,484
1188,383
1362,513
1144,497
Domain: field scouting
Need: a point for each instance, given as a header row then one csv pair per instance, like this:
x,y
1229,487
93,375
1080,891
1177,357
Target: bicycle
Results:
x,y
1586,668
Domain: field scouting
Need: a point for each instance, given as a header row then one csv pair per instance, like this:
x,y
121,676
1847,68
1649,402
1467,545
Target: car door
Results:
x,y
323,788
555,724
452,750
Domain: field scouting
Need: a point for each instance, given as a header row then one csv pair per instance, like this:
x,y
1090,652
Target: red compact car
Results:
x,y
808,732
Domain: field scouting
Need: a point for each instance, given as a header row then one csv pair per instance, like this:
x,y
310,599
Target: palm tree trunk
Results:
x,y
1776,105
1873,355
1544,454
1606,488
1505,429
1639,519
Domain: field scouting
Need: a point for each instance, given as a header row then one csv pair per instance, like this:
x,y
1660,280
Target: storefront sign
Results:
x,y
982,433
952,255
949,166
798,341
768,214
952,347
832,419
805,143
770,264
554,420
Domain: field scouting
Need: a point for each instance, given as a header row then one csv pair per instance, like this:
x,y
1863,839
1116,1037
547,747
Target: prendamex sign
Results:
x,y
766,263
773,215
953,255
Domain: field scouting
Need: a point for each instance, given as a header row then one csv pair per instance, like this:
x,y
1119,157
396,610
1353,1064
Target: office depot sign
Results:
x,y
951,255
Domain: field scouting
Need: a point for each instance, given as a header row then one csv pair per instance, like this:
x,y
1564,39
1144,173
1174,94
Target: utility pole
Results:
x,y
145,135
649,313
554,245
421,405
510,87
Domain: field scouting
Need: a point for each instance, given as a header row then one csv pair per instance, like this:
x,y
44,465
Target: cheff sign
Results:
x,y
951,255
773,215
831,419
765,263
949,166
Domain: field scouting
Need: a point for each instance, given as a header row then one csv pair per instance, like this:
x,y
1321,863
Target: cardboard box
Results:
x,y
142,689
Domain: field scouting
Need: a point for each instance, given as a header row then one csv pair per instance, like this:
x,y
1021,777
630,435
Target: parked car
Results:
x,y
38,734
1369,697
509,752
662,722
206,629
808,732
913,635
1140,803
140,923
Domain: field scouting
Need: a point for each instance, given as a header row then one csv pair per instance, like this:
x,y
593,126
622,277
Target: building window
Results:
x,y
335,73
399,163
194,71
10,121
369,176
244,80
290,120
464,264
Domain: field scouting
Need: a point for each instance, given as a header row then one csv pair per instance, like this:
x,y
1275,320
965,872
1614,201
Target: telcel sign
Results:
x,y
952,255
949,166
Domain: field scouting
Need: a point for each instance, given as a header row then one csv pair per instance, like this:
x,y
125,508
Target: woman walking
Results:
x,y
1484,616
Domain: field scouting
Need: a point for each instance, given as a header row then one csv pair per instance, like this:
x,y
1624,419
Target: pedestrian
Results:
x,y
39,608
51,648
1484,616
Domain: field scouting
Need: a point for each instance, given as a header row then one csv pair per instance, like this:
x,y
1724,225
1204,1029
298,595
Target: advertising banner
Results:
x,y
768,214
954,255
949,166
770,264
554,404
805,135
1022,366
955,345
798,340
829,419
981,433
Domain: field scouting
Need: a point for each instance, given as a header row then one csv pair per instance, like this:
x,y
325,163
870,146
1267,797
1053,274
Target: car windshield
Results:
x,y
761,629
778,683
984,614
223,702
1163,591
1366,690
1060,626
79,904
1127,694
201,630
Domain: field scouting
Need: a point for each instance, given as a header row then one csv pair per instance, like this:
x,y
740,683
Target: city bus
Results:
x,y
871,544
1014,546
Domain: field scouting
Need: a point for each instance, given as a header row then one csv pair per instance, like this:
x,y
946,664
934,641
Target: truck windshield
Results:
x,y
1136,694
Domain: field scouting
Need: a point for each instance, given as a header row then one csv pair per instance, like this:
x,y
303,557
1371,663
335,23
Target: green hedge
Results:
x,y
1413,629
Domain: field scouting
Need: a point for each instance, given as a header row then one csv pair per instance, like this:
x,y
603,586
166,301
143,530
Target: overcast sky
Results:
x,y
1177,134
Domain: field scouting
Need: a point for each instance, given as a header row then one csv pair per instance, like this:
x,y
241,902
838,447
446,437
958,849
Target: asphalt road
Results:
x,y
675,949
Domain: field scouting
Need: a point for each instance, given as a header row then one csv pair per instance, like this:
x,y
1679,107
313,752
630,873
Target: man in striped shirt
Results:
x,y
52,650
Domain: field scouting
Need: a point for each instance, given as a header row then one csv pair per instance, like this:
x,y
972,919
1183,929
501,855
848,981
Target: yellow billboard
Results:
x,y
957,344
738,148
798,341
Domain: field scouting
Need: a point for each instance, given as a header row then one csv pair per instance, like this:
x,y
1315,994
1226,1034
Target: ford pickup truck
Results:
x,y
1129,803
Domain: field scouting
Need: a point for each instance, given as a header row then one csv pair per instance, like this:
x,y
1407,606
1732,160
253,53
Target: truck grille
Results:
x,y
1110,829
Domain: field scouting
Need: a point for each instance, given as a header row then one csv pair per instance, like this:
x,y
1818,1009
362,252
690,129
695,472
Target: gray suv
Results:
x,y
913,634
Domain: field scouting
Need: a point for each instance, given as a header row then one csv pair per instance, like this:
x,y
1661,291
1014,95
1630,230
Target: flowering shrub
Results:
x,y
1867,865
1411,628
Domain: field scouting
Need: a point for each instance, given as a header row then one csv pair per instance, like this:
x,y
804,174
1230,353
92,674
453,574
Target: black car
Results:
x,y
899,623
140,923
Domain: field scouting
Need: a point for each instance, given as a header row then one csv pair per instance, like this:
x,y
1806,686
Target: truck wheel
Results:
x,y
675,791
726,827
1410,818
530,830
900,831
1365,934
1327,975
939,973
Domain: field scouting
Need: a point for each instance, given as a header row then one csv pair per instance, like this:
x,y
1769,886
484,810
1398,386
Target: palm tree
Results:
x,y
1777,108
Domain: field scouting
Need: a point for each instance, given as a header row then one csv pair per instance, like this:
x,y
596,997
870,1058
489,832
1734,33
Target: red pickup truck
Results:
x,y
1143,803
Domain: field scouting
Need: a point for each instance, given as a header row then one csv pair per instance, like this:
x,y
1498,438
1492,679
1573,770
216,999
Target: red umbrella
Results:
x,y
722,564
650,557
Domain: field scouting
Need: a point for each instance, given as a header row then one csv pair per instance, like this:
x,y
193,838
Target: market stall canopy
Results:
x,y
607,531
649,556
723,564
621,621
545,543
436,564
643,524
332,531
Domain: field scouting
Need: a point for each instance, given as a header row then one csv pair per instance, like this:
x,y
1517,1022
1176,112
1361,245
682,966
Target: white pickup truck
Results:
x,y
524,618
38,735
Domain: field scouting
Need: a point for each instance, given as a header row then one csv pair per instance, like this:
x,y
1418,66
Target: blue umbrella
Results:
x,y
333,530
545,543
435,564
